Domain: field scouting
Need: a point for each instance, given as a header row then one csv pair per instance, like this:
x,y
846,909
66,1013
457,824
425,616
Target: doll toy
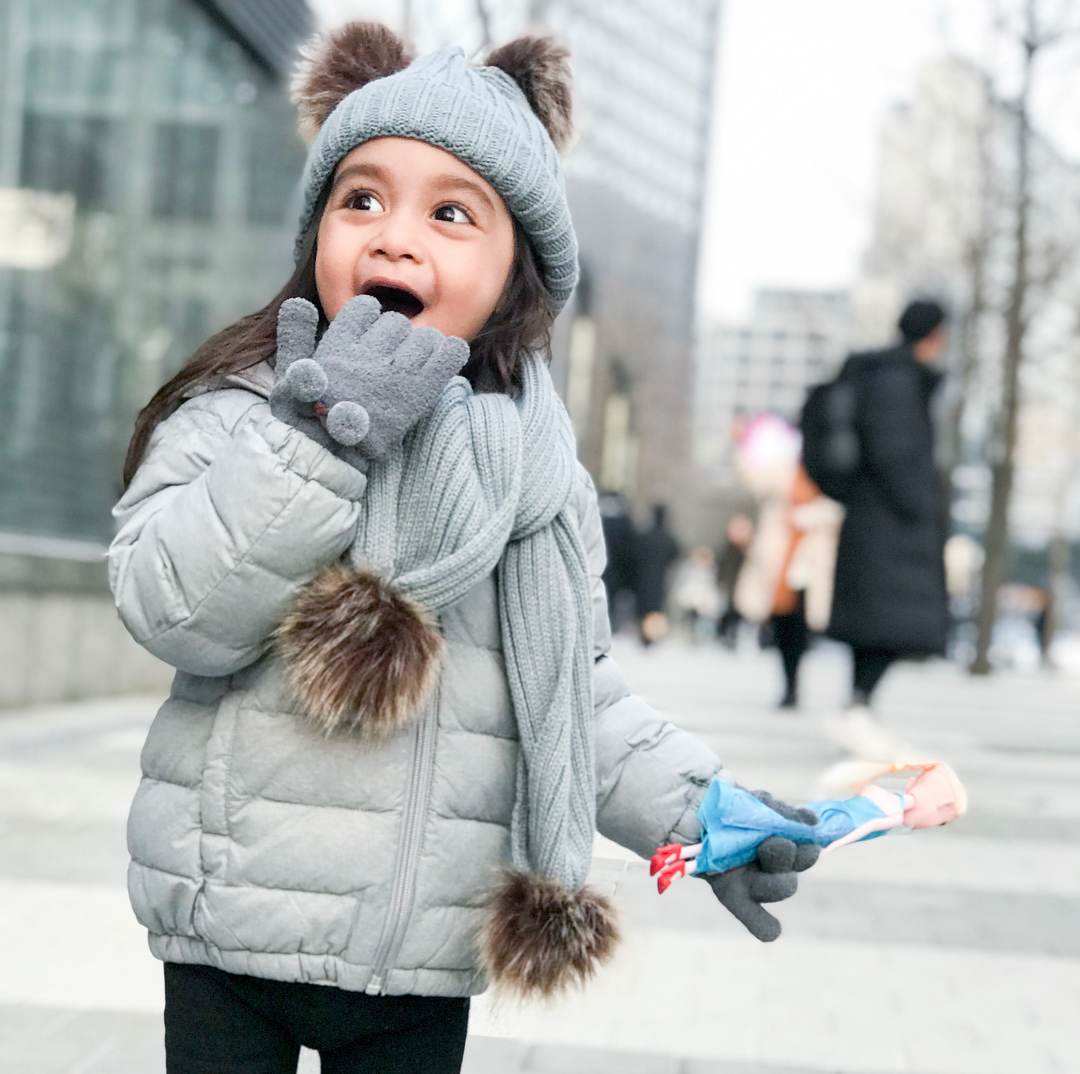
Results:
x,y
735,823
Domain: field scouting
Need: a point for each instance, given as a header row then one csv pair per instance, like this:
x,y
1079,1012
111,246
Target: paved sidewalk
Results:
x,y
950,952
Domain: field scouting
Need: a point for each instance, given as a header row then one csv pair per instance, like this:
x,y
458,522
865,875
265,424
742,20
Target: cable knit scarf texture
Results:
x,y
483,484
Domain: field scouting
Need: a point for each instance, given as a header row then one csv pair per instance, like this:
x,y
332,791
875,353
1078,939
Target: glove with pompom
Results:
x,y
369,380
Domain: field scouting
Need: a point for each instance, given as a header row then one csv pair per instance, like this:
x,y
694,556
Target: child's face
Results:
x,y
421,231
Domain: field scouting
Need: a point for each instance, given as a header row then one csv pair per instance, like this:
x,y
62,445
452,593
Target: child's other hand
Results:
x,y
772,878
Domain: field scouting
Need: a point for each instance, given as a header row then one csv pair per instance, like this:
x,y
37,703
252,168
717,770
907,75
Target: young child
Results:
x,y
394,725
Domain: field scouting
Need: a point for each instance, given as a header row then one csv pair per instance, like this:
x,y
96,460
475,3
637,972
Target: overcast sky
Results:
x,y
802,88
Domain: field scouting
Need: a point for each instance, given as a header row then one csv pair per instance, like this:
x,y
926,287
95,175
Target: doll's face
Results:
x,y
939,797
422,232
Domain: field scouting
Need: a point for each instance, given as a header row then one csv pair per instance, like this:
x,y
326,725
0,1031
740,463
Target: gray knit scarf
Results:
x,y
483,484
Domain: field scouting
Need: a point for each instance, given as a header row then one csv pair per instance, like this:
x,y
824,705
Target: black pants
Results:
x,y
791,637
727,629
868,666
223,1023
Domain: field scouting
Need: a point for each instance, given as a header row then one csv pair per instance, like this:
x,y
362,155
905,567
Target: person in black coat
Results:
x,y
654,552
619,538
889,599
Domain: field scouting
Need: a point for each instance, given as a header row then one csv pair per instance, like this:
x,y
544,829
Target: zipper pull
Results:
x,y
374,986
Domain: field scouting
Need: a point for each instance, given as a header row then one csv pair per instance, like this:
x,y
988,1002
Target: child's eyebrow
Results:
x,y
458,182
363,170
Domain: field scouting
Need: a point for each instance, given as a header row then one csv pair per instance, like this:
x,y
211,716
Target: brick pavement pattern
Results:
x,y
950,952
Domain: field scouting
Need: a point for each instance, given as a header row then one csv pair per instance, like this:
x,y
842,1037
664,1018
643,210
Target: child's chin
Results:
x,y
425,319
448,326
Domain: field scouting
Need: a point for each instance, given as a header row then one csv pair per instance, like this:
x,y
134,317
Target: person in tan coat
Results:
x,y
787,579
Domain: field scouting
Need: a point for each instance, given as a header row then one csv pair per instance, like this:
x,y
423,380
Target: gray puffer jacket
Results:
x,y
264,847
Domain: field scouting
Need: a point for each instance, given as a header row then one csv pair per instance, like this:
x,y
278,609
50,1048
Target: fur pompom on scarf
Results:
x,y
483,484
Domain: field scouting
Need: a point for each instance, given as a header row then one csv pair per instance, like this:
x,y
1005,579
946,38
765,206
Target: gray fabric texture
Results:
x,y
478,114
259,844
375,373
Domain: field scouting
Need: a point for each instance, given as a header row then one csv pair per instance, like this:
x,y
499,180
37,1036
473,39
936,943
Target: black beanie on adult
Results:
x,y
919,319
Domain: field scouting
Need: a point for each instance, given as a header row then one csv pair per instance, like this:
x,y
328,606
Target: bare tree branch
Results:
x,y
1027,289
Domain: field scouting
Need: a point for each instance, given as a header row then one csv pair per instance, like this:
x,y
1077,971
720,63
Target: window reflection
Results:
x,y
147,171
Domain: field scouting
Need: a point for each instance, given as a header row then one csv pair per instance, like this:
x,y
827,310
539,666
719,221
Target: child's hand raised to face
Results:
x,y
370,379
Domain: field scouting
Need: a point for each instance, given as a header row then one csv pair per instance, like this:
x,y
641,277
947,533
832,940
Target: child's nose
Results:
x,y
398,239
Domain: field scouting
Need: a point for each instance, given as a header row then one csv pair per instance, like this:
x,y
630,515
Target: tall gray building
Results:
x,y
643,73
148,158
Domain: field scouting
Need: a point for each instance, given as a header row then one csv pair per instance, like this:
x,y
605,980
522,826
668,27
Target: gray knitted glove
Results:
x,y
369,380
771,878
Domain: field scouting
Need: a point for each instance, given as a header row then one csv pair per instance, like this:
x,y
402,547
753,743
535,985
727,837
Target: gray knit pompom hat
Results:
x,y
480,114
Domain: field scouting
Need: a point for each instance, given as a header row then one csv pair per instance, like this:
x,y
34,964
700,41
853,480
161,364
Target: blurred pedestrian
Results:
x,y
739,532
804,596
787,580
964,559
890,599
619,536
655,550
381,591
766,460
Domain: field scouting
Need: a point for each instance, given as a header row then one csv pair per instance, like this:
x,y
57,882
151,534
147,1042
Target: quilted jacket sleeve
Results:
x,y
230,513
651,775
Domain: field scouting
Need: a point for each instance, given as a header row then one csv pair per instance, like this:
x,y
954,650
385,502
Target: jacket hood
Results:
x,y
258,379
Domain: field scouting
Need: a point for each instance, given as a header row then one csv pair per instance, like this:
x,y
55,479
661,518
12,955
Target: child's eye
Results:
x,y
364,201
452,214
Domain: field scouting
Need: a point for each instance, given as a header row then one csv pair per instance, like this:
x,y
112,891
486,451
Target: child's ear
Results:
x,y
539,65
334,64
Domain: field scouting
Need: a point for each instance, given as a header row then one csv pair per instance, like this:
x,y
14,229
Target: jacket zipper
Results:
x,y
403,892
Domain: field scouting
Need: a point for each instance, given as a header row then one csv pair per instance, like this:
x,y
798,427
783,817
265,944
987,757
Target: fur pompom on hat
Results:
x,y
541,68
334,64
506,120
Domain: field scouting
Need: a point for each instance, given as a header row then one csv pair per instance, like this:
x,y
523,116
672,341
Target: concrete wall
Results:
x,y
60,636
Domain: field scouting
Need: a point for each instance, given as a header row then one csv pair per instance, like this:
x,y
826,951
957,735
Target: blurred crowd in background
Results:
x,y
148,175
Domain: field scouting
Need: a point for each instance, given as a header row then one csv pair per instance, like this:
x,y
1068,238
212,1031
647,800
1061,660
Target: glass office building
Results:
x,y
148,167
148,162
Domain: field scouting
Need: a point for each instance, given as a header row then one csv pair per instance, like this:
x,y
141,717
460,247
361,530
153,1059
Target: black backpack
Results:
x,y
830,450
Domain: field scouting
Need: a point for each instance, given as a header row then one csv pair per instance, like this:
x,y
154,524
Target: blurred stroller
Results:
x,y
695,596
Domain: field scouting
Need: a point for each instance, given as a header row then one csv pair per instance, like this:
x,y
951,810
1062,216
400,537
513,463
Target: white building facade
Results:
x,y
944,226
792,340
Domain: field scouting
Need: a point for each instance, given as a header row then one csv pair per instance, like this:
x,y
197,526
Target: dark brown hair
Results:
x,y
519,324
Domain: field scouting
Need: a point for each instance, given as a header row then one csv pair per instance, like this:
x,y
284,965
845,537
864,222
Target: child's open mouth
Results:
x,y
395,299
